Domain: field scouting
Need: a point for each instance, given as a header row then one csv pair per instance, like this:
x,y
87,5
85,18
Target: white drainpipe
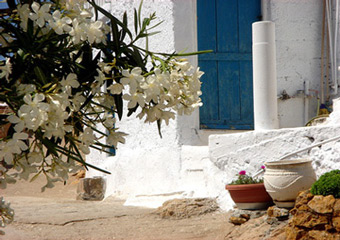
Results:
x,y
264,76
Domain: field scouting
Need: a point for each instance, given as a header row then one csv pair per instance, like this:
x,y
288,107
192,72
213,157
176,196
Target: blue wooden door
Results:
x,y
224,26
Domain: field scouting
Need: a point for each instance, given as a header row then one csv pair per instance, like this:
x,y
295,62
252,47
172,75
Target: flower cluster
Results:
x,y
65,72
6,214
244,178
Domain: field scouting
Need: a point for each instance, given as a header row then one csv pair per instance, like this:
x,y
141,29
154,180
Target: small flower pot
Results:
x,y
250,196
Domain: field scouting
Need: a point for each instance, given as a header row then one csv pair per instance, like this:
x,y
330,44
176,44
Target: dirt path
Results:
x,y
56,215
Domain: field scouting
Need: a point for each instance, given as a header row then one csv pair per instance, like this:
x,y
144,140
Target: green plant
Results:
x,y
64,72
243,178
328,184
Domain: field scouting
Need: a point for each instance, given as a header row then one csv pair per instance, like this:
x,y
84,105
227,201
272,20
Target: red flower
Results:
x,y
263,167
242,172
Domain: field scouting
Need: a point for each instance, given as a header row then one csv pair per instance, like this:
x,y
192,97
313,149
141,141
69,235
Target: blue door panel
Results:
x,y
224,26
226,23
207,25
248,12
229,81
209,92
246,87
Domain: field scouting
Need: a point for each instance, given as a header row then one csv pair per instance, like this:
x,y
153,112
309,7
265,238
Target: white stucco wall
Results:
x,y
183,163
146,163
298,44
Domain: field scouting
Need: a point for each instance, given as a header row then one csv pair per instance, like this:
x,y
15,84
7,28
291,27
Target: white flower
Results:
x,y
6,70
78,31
70,82
132,79
151,88
95,33
106,68
55,125
17,142
183,65
24,12
19,122
60,24
27,170
41,13
87,137
115,137
115,88
77,101
35,157
100,78
23,89
134,99
109,121
34,111
14,146
6,152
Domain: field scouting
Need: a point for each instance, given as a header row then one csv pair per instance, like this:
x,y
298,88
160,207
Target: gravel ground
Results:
x,y
56,215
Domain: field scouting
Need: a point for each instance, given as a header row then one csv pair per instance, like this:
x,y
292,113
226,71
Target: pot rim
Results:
x,y
287,162
243,186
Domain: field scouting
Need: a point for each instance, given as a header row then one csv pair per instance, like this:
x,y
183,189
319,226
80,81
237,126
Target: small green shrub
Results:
x,y
328,184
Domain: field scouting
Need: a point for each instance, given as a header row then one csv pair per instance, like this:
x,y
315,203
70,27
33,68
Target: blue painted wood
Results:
x,y
209,90
227,25
224,26
226,56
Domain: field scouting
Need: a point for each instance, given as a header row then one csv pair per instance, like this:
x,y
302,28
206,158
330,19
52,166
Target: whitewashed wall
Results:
x,y
146,163
298,42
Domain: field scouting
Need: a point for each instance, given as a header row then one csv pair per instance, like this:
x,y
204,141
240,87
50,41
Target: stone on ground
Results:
x,y
186,208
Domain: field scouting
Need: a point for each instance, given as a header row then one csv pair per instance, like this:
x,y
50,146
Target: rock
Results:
x,y
321,204
185,208
303,198
279,213
272,220
237,220
336,223
245,216
250,214
336,208
294,233
319,235
308,219
92,189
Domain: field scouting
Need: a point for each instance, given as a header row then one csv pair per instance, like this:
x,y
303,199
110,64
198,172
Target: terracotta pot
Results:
x,y
284,179
250,196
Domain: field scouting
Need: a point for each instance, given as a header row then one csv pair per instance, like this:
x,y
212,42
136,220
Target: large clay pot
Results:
x,y
284,179
250,196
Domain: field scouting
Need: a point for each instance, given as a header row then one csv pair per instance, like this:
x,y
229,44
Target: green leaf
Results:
x,y
40,74
139,13
119,105
125,22
51,146
35,176
136,21
114,20
159,121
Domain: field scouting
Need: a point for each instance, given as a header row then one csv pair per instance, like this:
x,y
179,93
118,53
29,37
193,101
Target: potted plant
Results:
x,y
248,192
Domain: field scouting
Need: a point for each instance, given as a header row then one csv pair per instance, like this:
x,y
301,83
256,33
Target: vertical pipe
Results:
x,y
264,76
306,101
